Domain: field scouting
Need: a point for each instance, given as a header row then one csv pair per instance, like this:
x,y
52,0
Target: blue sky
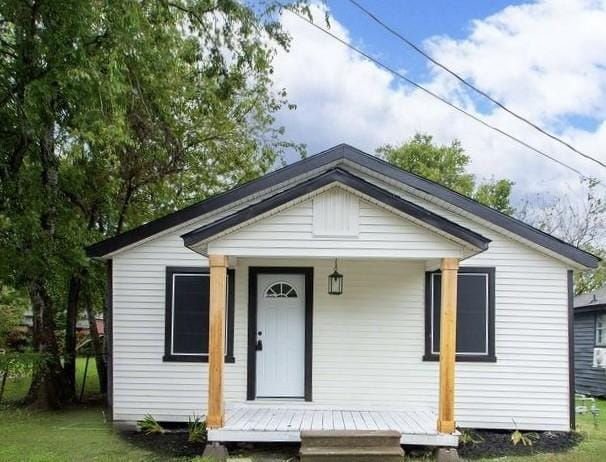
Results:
x,y
416,20
545,59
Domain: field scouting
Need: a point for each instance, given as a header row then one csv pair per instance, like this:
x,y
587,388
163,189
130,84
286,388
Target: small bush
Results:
x,y
149,425
526,439
197,430
470,438
518,437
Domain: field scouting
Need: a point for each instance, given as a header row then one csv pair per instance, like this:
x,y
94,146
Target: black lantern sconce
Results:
x,y
335,282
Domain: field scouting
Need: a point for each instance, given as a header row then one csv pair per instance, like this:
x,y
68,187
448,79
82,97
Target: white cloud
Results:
x,y
547,60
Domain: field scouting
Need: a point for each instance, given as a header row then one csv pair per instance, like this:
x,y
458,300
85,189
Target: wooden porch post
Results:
x,y
448,342
216,347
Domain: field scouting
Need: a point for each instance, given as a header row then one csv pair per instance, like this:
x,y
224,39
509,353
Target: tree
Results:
x,y
12,308
114,113
579,219
447,165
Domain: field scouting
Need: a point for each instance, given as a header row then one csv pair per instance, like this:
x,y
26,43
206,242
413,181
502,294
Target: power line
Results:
x,y
435,95
473,87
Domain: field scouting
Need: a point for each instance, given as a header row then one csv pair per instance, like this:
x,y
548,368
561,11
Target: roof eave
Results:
x,y
336,175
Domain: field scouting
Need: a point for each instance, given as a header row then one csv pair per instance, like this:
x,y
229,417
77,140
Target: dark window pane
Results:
x,y
472,312
190,313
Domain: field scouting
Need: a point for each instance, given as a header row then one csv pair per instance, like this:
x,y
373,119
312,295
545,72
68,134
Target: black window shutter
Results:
x,y
472,312
190,316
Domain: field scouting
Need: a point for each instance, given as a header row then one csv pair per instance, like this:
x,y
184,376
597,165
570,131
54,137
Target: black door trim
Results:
x,y
253,272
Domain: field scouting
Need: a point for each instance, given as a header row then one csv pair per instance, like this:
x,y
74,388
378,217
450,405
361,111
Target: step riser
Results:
x,y
325,458
351,446
364,441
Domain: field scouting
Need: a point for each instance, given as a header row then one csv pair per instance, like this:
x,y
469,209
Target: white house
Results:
x,y
223,309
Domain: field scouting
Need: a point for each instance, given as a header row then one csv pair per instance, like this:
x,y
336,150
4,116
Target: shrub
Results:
x,y
149,425
470,438
518,437
197,430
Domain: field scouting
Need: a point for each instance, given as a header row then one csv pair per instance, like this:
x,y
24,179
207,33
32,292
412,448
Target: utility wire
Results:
x,y
435,95
473,87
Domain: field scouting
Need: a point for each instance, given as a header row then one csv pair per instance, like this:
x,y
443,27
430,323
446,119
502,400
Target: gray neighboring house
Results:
x,y
590,342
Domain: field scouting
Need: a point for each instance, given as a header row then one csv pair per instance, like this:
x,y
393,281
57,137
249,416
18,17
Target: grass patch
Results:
x,y
81,434
75,434
17,387
591,449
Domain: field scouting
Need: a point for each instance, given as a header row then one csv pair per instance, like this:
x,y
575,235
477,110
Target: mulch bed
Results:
x,y
174,444
169,444
487,444
498,444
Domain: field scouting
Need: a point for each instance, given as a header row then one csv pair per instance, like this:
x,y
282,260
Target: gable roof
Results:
x,y
591,301
346,178
330,158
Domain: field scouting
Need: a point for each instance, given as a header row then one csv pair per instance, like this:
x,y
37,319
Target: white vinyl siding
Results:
x,y
369,342
382,234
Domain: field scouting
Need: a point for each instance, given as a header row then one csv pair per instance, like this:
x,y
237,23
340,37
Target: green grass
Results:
x,y
591,449
16,388
73,435
81,434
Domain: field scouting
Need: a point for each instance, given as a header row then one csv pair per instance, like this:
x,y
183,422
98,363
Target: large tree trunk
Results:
x,y
97,347
48,387
69,364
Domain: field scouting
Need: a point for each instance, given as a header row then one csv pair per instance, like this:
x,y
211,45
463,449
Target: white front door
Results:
x,y
280,336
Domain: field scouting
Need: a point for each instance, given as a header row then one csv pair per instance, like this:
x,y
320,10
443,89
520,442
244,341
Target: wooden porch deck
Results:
x,y
284,423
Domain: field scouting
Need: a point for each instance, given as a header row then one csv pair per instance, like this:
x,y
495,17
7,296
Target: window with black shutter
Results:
x,y
187,314
475,314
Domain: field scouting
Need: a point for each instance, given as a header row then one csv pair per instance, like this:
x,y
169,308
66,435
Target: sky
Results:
x,y
545,60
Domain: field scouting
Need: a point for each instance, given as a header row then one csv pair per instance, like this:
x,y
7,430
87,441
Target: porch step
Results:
x,y
354,446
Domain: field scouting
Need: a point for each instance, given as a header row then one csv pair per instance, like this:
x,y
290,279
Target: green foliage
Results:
x,y
20,363
526,439
19,381
17,365
149,425
447,165
468,437
13,305
495,194
115,113
196,428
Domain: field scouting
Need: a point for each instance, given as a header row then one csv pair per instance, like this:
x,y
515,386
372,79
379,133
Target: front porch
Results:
x,y
283,422
313,349
323,400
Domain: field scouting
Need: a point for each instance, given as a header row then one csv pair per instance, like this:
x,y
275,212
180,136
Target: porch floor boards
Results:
x,y
284,423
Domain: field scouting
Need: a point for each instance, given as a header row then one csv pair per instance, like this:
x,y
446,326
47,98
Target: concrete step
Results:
x,y
349,438
351,455
351,446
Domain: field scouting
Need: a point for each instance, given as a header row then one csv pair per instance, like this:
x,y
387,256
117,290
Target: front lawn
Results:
x,y
17,387
592,448
82,434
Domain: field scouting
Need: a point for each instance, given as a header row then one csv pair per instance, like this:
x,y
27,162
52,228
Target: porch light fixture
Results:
x,y
335,282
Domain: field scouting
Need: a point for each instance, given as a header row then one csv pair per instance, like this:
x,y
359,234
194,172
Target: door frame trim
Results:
x,y
253,272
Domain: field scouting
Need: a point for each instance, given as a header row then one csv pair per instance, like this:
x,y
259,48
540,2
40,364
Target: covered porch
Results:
x,y
344,218
284,422
262,418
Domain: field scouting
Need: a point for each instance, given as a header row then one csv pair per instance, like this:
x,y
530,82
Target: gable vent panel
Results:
x,y
336,213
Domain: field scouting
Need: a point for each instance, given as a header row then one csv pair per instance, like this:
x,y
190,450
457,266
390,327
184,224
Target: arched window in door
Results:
x,y
281,290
